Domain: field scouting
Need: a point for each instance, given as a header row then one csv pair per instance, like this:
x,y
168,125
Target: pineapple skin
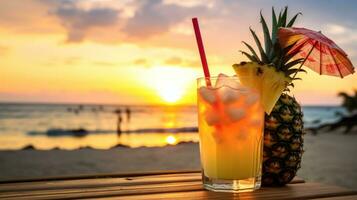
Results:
x,y
283,142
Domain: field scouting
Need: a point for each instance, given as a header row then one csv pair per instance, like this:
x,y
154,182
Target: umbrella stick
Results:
x,y
303,62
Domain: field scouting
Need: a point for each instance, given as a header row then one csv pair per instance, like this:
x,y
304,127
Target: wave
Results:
x,y
81,132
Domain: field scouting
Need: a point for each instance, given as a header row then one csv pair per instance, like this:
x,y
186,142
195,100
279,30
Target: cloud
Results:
x,y
79,21
190,3
27,18
193,63
170,61
73,60
173,61
109,22
183,62
62,61
4,50
154,17
345,37
335,29
341,34
104,64
140,61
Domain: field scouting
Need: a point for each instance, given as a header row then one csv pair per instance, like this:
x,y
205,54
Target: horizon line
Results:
x,y
90,103
126,104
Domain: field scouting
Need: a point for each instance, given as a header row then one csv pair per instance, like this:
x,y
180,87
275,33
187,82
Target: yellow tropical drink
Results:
x,y
230,120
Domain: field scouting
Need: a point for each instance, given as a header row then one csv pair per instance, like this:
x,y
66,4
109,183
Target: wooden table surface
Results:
x,y
157,185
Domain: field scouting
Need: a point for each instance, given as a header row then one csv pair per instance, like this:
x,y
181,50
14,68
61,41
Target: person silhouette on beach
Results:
x,y
128,113
119,121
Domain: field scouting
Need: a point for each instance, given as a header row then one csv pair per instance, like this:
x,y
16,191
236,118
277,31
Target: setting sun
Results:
x,y
171,83
168,94
171,140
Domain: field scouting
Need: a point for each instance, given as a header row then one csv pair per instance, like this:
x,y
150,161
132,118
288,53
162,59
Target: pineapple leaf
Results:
x,y
280,64
292,21
279,20
250,57
284,16
289,55
274,27
251,49
288,48
302,70
293,71
264,57
297,79
293,63
267,39
297,47
278,55
291,84
275,60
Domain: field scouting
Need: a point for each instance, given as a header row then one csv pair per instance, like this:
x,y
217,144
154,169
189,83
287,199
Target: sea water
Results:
x,y
48,126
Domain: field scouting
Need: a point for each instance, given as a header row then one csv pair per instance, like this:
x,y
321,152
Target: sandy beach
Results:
x,y
40,163
329,158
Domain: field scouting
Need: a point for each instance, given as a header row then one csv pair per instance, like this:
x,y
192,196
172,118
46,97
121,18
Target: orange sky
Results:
x,y
143,52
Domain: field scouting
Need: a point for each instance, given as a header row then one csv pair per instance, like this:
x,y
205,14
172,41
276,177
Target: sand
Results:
x,y
38,163
329,158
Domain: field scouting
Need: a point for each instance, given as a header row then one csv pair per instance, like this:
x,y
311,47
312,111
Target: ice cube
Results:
x,y
221,80
242,88
227,94
224,80
251,98
208,94
235,114
212,118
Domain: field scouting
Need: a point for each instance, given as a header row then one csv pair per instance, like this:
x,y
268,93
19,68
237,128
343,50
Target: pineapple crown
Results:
x,y
273,54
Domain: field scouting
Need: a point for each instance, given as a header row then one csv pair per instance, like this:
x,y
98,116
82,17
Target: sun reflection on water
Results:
x,y
156,139
97,141
171,140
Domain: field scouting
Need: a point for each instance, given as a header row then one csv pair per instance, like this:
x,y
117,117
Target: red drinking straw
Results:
x,y
201,50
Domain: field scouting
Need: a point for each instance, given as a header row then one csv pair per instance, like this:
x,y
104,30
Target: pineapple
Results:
x,y
271,74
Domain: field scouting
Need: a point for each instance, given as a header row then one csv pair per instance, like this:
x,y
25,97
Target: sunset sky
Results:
x,y
144,52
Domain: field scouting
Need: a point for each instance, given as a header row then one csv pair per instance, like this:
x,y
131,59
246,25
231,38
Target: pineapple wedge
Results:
x,y
265,79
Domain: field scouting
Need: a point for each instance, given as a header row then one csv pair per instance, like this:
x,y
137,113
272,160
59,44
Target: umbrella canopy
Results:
x,y
321,54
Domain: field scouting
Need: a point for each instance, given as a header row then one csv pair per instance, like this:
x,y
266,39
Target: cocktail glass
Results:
x,y
230,121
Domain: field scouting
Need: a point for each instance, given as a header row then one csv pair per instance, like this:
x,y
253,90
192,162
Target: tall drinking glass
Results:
x,y
230,121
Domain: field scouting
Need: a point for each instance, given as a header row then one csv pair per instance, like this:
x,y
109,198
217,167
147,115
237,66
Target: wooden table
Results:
x,y
156,185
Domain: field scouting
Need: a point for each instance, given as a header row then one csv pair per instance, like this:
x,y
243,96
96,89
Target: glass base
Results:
x,y
232,186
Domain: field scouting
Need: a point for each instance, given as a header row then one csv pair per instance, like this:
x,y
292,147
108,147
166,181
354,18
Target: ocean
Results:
x,y
70,126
